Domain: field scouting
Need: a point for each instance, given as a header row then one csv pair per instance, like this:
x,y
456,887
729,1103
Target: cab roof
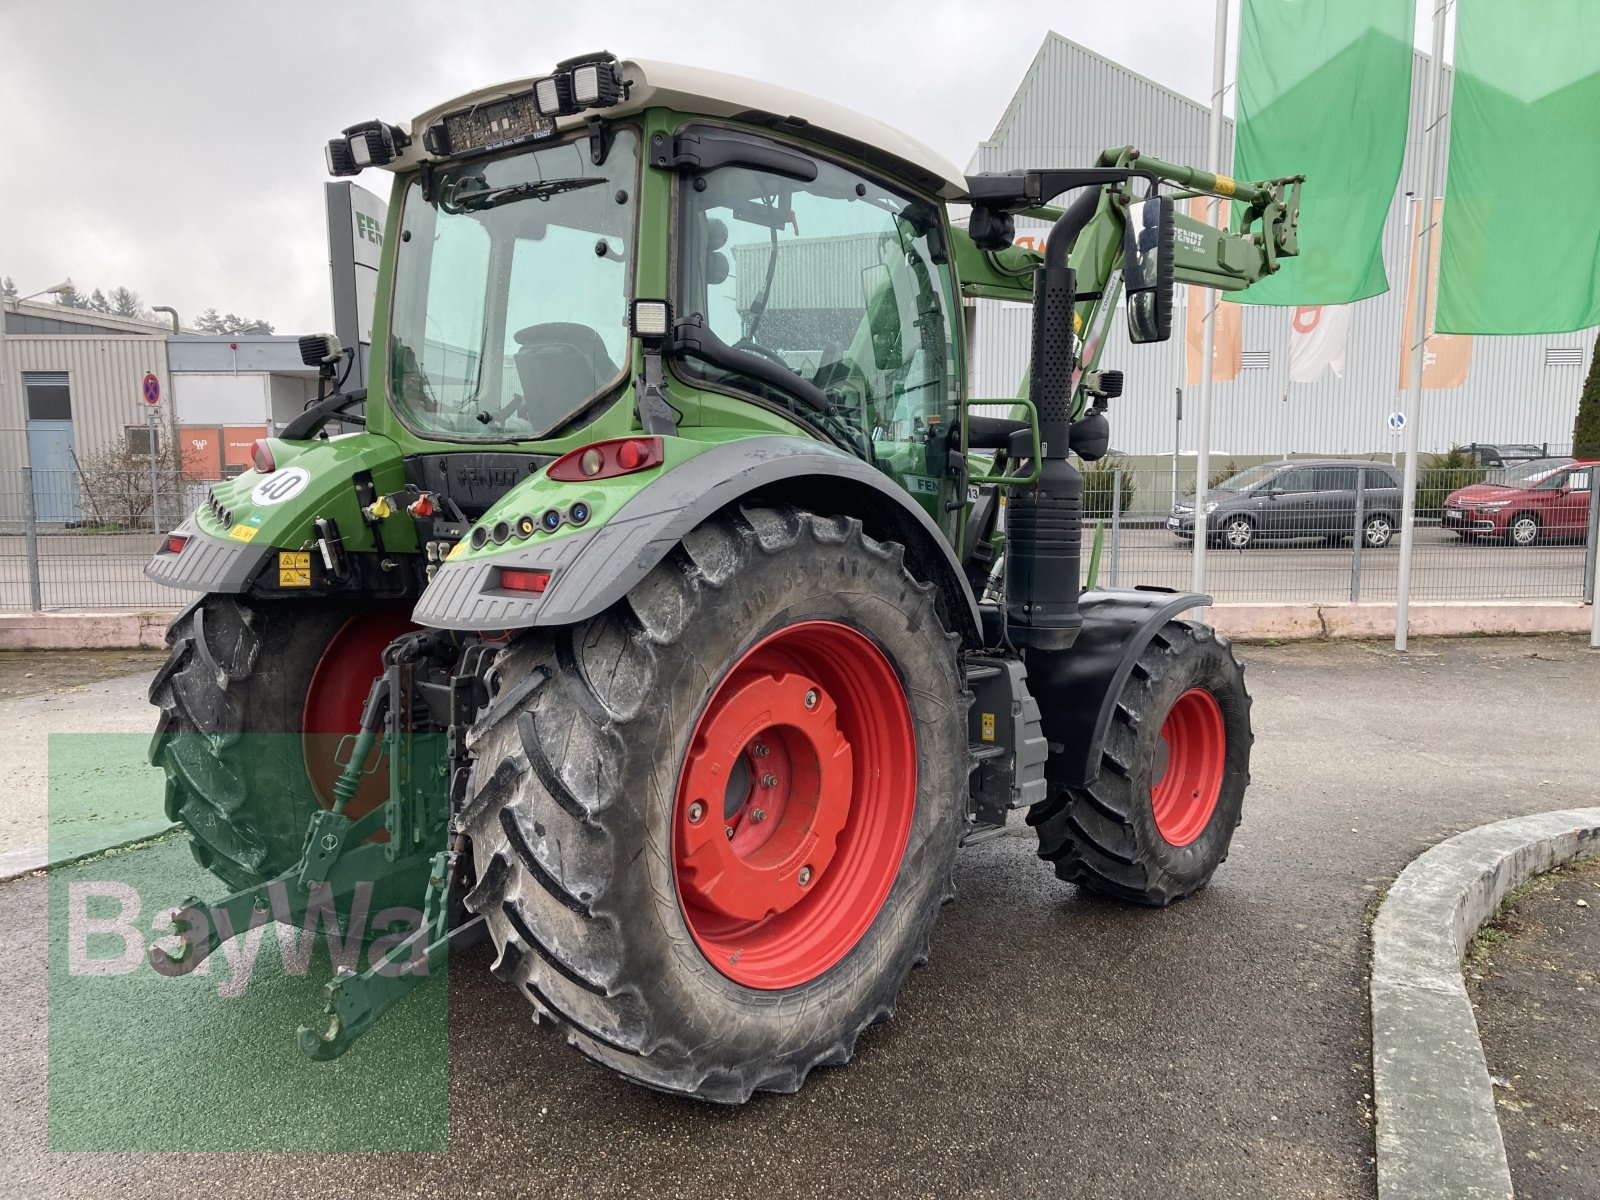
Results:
x,y
716,94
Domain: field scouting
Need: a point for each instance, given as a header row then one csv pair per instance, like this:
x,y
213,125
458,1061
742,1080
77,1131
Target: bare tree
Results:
x,y
117,477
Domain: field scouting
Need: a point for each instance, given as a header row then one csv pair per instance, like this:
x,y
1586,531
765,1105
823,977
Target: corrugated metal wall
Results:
x,y
105,375
1072,104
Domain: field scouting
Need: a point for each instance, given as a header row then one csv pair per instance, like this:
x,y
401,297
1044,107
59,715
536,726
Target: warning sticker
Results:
x,y
244,533
294,568
988,727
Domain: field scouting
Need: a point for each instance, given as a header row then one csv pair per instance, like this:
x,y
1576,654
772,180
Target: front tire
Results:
x,y
1238,533
776,661
1523,530
1156,824
236,692
1377,532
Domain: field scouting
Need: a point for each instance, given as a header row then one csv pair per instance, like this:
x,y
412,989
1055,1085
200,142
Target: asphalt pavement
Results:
x,y
1057,1045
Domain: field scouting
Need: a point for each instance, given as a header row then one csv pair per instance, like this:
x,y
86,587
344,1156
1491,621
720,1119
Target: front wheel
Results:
x,y
1156,824
1523,530
1238,533
730,800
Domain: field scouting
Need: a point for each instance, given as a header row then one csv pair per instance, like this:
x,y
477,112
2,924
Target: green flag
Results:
x,y
1325,92
1521,240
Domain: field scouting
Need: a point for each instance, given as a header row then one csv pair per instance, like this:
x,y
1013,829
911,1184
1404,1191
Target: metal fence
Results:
x,y
1503,534
1332,533
66,547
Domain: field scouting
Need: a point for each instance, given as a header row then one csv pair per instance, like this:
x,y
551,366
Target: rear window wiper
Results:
x,y
494,197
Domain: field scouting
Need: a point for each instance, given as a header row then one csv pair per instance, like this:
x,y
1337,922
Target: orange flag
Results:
x,y
1227,346
1446,357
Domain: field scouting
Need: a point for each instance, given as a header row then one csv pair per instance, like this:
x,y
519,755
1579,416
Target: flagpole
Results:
x,y
1208,325
1423,231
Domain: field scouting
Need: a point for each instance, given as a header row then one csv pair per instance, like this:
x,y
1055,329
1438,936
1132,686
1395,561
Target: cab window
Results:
x,y
840,280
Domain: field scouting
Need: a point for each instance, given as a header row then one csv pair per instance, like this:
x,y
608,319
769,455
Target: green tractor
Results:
x,y
670,619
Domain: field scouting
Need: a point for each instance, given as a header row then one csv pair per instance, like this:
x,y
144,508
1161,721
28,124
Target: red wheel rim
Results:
x,y
1187,779
794,805
338,691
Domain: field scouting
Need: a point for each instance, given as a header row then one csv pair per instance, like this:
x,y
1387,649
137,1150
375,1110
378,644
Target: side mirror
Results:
x,y
883,317
1274,492
1147,270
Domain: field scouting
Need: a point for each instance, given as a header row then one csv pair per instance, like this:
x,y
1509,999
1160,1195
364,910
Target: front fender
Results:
x,y
1077,688
592,569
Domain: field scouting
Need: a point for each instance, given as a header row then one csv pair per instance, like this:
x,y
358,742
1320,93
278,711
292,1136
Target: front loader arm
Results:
x,y
1265,212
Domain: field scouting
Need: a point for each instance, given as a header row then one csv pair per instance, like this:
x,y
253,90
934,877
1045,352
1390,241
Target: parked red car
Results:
x,y
1548,498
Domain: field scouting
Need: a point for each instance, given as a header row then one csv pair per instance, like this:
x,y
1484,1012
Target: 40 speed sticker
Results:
x,y
281,485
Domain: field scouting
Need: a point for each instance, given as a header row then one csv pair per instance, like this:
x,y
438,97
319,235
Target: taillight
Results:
x,y
175,543
517,579
607,460
261,457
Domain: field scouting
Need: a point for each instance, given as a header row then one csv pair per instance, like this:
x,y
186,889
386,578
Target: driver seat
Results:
x,y
561,363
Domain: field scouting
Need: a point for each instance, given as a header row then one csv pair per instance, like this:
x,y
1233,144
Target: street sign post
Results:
x,y
1397,423
152,398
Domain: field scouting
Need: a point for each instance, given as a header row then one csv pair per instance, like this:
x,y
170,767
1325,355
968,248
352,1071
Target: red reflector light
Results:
x,y
261,457
607,460
515,579
175,543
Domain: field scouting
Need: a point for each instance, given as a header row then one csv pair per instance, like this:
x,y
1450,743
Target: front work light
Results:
x,y
339,160
651,318
596,85
552,95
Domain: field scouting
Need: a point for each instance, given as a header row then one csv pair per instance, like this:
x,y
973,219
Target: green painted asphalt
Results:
x,y
140,1061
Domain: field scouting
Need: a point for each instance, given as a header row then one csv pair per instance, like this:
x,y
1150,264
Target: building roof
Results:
x,y
715,94
45,318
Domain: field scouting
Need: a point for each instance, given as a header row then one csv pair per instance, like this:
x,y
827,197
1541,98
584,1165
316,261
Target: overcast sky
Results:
x,y
177,148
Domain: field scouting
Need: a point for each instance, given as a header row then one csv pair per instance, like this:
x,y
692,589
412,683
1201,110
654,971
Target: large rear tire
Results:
x,y
1156,824
235,694
714,825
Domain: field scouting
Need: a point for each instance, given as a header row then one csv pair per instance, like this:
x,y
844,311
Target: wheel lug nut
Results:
x,y
758,814
760,750
728,829
805,876
697,812
811,697
769,780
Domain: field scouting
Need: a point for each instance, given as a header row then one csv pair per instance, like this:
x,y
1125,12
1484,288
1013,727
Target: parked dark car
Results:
x,y
1544,499
1284,501
1505,454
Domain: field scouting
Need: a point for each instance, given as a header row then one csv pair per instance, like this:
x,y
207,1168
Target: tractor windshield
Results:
x,y
511,291
838,279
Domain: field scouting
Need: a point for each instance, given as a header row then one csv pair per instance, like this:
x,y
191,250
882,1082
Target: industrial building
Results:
x,y
71,385
1071,105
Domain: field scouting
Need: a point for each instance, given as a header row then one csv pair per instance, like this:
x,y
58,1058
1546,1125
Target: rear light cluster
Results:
x,y
175,543
607,460
224,516
524,527
261,457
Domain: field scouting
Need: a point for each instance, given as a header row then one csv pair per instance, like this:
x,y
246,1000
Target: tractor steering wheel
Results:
x,y
756,348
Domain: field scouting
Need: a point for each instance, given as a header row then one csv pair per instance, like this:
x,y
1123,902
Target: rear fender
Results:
x,y
591,569
1077,688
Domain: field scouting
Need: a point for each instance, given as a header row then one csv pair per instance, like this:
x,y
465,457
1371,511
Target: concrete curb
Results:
x,y
1244,621
16,863
1445,618
1437,1132
85,630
